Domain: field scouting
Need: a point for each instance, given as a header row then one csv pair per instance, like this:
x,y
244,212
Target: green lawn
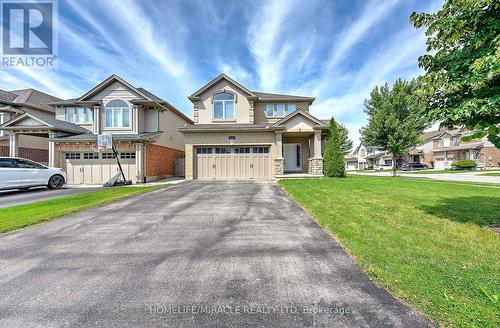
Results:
x,y
19,216
426,242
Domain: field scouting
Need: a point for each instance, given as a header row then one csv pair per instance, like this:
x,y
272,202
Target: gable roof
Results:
x,y
147,96
29,98
46,122
303,113
220,77
107,82
257,95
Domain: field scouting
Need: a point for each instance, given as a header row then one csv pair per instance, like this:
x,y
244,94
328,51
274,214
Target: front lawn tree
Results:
x,y
462,68
333,157
395,120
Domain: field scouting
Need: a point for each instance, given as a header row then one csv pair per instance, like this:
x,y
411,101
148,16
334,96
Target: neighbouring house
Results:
x,y
368,157
34,146
243,134
441,148
144,129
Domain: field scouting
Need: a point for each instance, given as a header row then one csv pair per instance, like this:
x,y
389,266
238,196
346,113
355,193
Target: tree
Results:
x,y
462,76
333,157
345,142
395,120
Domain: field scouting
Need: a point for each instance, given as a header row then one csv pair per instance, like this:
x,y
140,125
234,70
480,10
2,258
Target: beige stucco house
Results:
x,y
145,130
243,134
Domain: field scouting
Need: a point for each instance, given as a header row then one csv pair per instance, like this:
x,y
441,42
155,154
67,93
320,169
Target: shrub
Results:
x,y
333,157
464,164
370,167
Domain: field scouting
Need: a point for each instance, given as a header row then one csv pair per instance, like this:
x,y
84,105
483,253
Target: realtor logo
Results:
x,y
28,33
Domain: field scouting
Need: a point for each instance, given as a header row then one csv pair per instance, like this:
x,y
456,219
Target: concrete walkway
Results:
x,y
228,254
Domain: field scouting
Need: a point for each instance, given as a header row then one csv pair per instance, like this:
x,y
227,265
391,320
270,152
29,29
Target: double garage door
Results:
x,y
248,162
97,168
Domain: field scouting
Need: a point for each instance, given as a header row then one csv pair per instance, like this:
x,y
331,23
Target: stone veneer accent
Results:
x,y
279,166
315,166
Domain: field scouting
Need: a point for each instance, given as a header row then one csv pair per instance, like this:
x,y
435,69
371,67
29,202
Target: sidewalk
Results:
x,y
465,177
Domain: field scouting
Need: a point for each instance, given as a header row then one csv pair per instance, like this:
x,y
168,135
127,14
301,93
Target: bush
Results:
x,y
370,167
464,164
333,157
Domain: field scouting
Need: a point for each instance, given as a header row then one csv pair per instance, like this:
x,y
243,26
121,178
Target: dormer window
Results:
x,y
117,114
223,106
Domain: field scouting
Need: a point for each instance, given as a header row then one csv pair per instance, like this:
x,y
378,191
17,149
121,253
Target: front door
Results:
x,y
291,153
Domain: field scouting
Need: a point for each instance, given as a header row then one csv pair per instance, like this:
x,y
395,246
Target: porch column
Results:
x,y
139,161
14,144
317,144
52,151
316,162
97,119
279,161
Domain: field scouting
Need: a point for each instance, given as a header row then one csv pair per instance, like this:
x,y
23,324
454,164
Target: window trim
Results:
x,y
112,109
234,101
86,111
275,110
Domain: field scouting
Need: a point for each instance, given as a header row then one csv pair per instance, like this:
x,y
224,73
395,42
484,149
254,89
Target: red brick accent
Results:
x,y
35,154
160,160
4,150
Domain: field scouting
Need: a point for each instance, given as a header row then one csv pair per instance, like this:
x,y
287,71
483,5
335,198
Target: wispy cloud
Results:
x,y
265,44
237,72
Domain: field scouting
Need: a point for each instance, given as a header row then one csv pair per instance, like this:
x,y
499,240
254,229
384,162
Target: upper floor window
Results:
x,y
117,114
279,110
79,115
223,106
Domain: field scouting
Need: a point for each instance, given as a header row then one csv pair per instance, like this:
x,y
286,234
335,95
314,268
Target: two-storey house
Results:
x,y
441,148
243,134
368,157
144,128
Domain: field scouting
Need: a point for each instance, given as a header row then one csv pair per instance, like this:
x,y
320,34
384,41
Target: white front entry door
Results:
x,y
291,153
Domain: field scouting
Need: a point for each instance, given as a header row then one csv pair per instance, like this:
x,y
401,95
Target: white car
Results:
x,y
20,173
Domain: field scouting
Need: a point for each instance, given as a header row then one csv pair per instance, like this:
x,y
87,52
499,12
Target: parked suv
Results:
x,y
413,167
20,173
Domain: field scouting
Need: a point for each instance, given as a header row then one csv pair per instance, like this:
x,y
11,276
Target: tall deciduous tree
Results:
x,y
462,77
333,157
395,120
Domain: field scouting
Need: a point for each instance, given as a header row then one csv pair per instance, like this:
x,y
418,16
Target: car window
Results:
x,y
28,165
5,162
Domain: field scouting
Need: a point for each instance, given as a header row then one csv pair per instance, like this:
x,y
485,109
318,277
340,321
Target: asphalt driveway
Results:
x,y
192,255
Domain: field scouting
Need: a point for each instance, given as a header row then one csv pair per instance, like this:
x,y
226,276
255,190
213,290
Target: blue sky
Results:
x,y
336,51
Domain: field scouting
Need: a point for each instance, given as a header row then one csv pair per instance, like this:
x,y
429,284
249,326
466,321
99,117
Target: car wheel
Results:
x,y
55,182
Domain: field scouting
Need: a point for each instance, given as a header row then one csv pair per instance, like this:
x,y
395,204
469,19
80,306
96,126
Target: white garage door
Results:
x,y
247,162
96,168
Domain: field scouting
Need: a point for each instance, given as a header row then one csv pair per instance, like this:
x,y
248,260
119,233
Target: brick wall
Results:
x,y
490,156
35,154
160,161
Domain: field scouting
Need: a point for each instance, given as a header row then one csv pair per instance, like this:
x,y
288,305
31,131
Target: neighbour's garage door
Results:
x,y
247,162
97,168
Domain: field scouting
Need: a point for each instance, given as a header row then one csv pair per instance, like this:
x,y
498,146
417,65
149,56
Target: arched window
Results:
x,y
117,114
224,106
